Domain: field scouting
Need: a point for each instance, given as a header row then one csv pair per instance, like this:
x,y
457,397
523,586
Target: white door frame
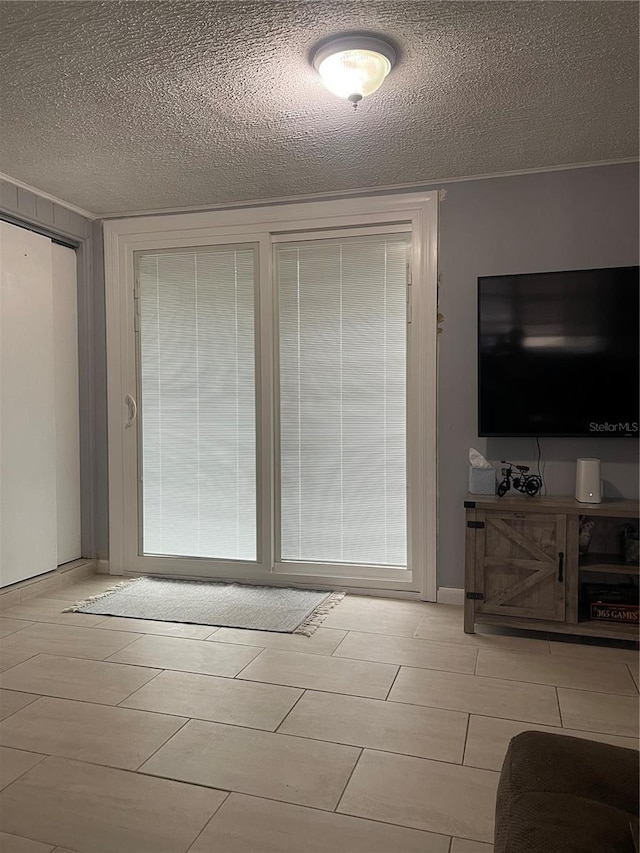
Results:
x,y
416,212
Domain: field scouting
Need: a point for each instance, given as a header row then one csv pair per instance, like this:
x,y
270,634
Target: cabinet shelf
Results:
x,y
607,564
603,628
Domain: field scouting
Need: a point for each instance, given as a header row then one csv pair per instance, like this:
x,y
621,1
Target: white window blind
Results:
x,y
197,370
342,331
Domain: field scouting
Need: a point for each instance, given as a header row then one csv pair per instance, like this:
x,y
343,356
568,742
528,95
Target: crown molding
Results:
x,y
420,186
414,186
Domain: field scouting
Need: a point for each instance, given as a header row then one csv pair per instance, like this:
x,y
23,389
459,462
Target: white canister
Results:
x,y
588,482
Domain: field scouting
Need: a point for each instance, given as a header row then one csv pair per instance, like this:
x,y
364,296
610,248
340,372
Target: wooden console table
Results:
x,y
523,566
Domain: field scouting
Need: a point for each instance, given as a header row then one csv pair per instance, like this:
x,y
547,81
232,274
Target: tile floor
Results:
x,y
382,733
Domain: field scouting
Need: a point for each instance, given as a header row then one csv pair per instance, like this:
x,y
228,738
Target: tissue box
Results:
x,y
482,481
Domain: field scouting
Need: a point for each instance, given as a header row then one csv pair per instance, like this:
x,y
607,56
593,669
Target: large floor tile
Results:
x,y
85,588
316,672
9,599
10,702
323,642
374,604
408,652
493,697
599,712
13,763
75,678
67,640
634,674
15,844
42,586
388,726
463,845
376,616
149,626
252,825
443,612
187,655
100,734
50,610
450,630
445,798
601,676
101,810
488,739
220,700
249,761
10,626
13,658
589,652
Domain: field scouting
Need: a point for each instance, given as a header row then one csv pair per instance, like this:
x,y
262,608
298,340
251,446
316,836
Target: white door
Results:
x,y
28,525
39,415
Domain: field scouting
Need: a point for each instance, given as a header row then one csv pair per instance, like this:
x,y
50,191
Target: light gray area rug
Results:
x,y
228,605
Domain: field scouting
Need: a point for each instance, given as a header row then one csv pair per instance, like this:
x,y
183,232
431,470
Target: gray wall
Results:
x,y
101,461
572,219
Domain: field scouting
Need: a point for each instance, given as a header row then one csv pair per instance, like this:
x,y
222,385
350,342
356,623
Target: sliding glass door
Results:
x,y
197,400
342,378
339,438
272,394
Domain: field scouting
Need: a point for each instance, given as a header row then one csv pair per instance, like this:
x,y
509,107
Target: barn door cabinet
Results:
x,y
524,568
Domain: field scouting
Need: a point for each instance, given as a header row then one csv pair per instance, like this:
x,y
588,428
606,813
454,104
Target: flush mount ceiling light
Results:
x,y
354,66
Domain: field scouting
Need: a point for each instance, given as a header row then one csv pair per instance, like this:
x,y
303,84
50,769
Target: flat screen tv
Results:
x,y
558,354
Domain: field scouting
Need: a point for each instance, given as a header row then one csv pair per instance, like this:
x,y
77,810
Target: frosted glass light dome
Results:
x,y
353,67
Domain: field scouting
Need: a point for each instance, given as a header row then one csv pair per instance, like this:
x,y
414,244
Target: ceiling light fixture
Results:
x,y
354,66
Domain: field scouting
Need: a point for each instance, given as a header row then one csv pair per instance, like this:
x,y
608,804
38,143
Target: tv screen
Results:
x,y
558,354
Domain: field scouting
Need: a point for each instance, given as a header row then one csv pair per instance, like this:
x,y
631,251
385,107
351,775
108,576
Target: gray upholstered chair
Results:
x,y
560,794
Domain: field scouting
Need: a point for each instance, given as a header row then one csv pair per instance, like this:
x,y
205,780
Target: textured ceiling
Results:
x,y
123,106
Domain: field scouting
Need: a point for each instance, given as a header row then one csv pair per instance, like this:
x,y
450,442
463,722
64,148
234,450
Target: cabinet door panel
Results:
x,y
517,564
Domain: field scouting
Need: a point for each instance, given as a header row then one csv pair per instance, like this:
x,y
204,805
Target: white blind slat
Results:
x,y
198,403
342,330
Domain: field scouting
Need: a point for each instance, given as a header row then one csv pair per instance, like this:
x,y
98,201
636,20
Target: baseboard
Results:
x,y
102,567
450,595
47,583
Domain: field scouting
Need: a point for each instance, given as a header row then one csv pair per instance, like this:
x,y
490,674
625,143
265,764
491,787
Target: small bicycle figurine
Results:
x,y
528,484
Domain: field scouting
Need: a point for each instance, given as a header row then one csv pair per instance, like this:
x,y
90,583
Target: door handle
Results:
x,y
560,566
133,410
